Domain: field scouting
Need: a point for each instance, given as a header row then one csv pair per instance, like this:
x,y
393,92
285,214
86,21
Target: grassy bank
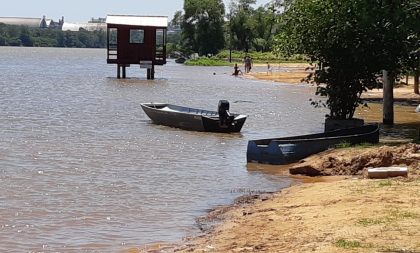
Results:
x,y
222,59
205,61
259,57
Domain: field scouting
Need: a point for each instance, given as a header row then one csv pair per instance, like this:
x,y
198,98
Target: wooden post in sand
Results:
x,y
388,82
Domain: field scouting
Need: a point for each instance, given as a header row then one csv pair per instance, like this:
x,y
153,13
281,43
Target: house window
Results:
x,y
160,44
113,36
136,36
160,37
112,43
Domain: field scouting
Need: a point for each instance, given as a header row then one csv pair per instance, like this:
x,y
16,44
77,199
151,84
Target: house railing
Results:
x,y
112,51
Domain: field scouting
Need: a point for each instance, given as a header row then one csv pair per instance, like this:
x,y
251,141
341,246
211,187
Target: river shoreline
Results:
x,y
294,73
317,214
320,214
347,212
363,215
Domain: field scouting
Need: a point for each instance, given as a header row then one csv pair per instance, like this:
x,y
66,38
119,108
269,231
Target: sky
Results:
x,y
84,10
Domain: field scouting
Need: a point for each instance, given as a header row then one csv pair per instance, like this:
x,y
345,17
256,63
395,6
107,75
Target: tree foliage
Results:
x,y
202,26
242,24
24,36
351,42
177,19
251,28
204,29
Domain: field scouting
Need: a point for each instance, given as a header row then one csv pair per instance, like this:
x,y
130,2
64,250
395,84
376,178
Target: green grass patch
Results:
x,y
346,244
385,183
365,145
396,250
222,59
393,216
343,144
401,215
370,222
260,57
205,61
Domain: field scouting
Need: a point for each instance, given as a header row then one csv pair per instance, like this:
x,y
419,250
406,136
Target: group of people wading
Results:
x,y
248,66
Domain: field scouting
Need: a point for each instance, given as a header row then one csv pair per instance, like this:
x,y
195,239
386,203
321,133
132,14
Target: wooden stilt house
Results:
x,y
136,40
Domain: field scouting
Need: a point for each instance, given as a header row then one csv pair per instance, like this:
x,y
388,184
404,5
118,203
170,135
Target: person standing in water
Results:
x,y
269,69
248,64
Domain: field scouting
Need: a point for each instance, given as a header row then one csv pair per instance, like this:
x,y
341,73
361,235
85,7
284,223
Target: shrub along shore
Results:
x,y
222,59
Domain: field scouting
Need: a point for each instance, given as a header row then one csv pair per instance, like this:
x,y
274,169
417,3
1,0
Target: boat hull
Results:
x,y
212,124
191,119
291,149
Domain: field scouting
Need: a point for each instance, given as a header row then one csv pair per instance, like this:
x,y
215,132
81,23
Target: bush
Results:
x,y
205,61
238,56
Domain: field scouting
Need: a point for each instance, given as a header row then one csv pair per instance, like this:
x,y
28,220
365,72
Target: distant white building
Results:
x,y
75,27
92,25
29,22
33,22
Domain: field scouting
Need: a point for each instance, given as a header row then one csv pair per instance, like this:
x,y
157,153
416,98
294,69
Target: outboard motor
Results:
x,y
225,118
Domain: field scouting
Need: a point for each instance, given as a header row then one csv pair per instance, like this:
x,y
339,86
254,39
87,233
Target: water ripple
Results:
x,y
83,169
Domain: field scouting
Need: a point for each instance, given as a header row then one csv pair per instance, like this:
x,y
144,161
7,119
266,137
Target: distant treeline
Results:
x,y
11,35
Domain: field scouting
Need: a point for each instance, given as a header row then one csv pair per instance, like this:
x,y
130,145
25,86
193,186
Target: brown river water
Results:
x,y
82,169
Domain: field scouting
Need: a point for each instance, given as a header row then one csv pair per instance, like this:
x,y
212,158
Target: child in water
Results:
x,y
236,70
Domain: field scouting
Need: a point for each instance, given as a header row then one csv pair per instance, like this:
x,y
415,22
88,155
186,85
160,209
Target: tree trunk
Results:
x,y
416,81
388,82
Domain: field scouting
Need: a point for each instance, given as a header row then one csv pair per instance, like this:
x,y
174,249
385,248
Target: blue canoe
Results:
x,y
287,150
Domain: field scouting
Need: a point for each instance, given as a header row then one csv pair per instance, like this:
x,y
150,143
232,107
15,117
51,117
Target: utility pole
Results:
x,y
230,36
388,89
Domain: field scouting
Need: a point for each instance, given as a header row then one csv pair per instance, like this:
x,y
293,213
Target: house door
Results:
x,y
160,45
112,44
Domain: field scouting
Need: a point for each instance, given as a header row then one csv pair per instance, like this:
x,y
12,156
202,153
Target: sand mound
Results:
x,y
354,161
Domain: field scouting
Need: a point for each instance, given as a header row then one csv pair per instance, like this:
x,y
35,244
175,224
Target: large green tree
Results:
x,y
252,29
351,42
202,27
177,19
241,24
265,19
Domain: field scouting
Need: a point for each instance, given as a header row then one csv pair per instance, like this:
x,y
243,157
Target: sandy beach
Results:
x,y
322,214
294,73
343,214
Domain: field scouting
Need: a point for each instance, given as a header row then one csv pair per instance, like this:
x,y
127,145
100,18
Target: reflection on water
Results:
x,y
83,169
